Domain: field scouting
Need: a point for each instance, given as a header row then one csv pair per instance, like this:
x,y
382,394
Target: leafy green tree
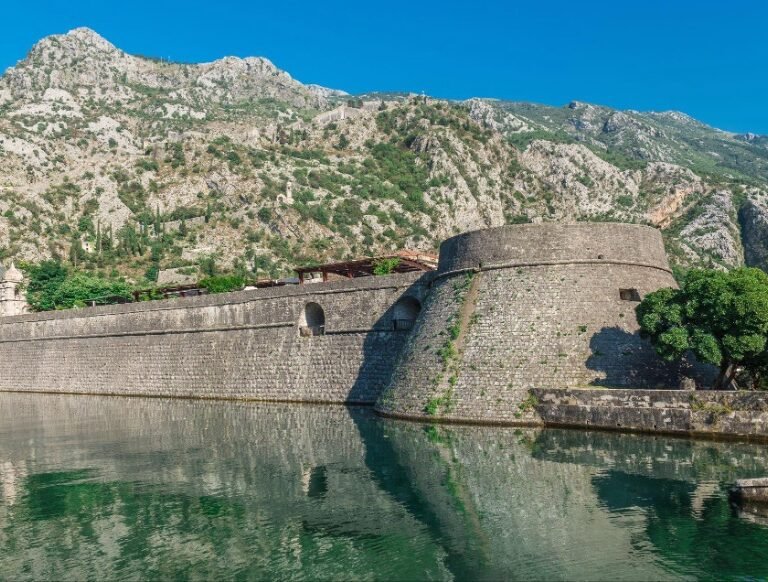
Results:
x,y
151,273
76,251
722,317
52,286
82,289
44,279
343,142
208,265
385,266
223,283
265,214
262,265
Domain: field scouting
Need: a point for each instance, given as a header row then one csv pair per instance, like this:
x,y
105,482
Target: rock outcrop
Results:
x,y
99,147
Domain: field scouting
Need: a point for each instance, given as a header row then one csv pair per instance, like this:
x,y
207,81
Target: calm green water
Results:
x,y
109,488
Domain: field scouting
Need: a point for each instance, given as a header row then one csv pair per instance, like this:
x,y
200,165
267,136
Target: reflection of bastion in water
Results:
x,y
545,504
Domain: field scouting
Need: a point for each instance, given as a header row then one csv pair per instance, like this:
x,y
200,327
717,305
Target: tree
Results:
x,y
151,273
223,283
76,251
44,281
265,214
207,264
385,266
343,142
52,286
157,221
722,317
81,289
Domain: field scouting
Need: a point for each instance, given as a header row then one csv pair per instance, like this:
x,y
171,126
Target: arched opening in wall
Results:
x,y
312,320
405,313
317,484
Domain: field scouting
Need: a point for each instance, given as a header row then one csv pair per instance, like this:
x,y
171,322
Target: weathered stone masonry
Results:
x,y
237,345
551,306
700,413
520,324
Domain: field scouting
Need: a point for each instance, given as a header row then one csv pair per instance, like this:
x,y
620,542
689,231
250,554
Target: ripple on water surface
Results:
x,y
97,487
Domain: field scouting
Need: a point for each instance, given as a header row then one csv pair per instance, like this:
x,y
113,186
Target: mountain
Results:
x,y
127,164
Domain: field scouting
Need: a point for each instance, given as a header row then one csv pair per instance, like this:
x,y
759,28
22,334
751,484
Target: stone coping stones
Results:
x,y
751,490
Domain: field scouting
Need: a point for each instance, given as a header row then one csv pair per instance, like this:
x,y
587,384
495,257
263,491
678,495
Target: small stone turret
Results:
x,y
12,300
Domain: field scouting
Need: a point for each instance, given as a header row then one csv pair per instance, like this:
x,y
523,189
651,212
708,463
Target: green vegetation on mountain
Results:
x,y
123,166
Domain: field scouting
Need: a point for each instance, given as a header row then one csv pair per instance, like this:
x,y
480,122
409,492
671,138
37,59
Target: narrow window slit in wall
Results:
x,y
629,294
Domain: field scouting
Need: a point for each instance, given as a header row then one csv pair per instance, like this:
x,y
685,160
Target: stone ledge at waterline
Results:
x,y
699,413
510,311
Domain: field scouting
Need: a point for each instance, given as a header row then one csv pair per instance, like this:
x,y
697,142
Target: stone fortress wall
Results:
x,y
512,316
254,344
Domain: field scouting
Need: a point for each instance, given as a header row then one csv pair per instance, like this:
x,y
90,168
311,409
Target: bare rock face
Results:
x,y
715,232
754,225
483,112
83,60
674,188
100,149
80,57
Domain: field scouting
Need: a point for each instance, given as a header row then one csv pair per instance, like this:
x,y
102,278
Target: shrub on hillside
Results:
x,y
223,283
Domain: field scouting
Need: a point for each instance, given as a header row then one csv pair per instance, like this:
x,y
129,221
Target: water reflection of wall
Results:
x,y
105,487
510,515
156,487
552,504
673,458
679,486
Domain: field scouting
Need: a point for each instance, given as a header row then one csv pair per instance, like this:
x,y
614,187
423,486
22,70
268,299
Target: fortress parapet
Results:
x,y
552,244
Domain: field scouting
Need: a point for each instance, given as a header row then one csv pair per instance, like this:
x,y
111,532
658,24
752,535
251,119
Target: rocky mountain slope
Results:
x,y
129,164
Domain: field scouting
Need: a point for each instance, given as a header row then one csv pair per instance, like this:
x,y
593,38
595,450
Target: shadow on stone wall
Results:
x,y
382,348
629,361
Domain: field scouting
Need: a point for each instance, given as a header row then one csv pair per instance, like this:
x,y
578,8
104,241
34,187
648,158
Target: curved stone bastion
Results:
x,y
531,306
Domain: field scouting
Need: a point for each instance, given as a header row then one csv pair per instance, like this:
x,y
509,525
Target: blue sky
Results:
x,y
706,58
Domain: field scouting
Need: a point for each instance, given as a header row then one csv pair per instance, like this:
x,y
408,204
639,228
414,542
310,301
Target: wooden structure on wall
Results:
x,y
400,262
